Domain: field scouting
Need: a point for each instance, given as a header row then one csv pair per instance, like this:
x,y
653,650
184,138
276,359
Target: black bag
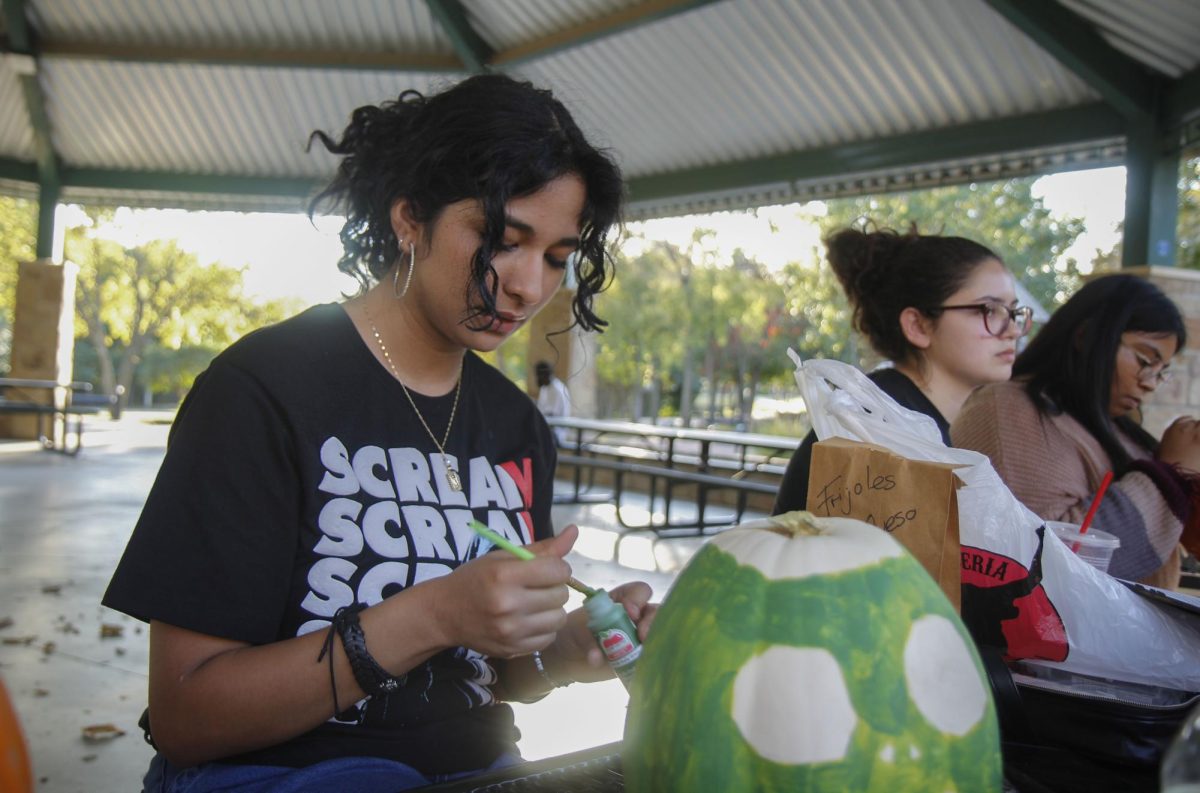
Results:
x,y
1071,735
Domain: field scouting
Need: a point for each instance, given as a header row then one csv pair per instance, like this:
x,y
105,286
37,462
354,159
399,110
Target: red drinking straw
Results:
x,y
1091,513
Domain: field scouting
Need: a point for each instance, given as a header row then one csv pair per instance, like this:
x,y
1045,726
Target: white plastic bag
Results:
x,y
1050,605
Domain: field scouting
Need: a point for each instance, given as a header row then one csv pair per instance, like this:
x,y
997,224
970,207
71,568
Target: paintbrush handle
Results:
x,y
580,587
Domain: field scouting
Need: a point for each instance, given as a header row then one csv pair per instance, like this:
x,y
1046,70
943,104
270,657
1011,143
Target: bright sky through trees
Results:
x,y
290,256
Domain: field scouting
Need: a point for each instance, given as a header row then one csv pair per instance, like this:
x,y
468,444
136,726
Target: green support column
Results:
x,y
47,203
1151,197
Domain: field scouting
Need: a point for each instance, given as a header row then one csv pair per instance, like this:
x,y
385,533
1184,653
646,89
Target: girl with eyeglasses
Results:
x,y
1071,414
942,309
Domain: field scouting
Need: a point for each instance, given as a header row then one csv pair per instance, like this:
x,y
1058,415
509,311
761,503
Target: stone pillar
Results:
x,y
1181,394
571,353
43,339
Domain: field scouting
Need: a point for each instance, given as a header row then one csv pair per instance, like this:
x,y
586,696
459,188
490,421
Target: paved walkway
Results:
x,y
70,664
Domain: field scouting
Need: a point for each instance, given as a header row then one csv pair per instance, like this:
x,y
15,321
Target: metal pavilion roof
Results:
x,y
706,103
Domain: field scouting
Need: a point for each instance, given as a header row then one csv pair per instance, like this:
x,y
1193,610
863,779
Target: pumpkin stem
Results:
x,y
791,524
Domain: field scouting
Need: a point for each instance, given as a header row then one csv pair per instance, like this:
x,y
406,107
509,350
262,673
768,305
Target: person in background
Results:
x,y
553,399
322,616
1071,414
943,310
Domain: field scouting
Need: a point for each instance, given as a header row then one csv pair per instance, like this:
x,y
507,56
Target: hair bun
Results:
x,y
860,257
883,272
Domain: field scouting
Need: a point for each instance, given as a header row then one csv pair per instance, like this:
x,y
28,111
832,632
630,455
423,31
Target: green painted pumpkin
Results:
x,y
809,654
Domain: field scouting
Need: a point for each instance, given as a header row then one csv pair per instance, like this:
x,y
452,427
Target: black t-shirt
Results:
x,y
298,479
793,490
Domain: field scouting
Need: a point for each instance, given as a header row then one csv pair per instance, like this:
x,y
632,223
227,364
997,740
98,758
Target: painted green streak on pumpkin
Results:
x,y
721,613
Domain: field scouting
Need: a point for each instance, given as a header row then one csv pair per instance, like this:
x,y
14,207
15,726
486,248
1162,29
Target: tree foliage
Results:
x,y
821,316
686,323
18,233
1188,254
1005,216
643,341
155,309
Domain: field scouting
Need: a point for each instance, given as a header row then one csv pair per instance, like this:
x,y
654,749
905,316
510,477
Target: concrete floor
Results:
x,y
70,664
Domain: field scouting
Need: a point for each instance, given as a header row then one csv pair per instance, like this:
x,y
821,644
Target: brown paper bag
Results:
x,y
913,500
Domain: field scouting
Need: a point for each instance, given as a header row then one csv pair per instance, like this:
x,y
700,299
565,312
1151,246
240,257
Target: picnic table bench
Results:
x,y
64,410
680,467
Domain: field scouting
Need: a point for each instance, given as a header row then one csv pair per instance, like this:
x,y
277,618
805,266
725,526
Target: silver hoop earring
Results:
x,y
397,292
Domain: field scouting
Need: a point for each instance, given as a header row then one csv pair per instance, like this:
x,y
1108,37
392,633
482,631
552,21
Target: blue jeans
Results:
x,y
345,775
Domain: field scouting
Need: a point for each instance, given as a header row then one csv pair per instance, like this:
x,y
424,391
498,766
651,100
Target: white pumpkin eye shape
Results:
x,y
792,706
942,679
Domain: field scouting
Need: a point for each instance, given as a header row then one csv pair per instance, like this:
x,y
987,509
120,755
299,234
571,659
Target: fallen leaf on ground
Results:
x,y
41,692
25,640
52,589
95,733
87,758
48,648
5,622
110,631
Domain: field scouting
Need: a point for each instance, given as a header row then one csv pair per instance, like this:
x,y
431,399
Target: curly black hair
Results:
x,y
489,138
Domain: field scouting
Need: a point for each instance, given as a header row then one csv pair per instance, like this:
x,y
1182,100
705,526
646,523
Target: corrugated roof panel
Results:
x,y
16,136
206,119
509,24
806,83
719,83
1160,33
354,25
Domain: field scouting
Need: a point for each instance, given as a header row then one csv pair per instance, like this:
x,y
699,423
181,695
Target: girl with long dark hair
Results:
x,y
942,309
1070,415
322,615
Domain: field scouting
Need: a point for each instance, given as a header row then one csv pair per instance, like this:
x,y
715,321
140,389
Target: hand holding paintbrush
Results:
x,y
522,553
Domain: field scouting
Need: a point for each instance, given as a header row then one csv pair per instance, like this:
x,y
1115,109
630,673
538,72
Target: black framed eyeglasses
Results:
x,y
997,317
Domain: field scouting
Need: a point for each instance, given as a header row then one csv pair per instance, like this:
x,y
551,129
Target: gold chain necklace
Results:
x,y
451,475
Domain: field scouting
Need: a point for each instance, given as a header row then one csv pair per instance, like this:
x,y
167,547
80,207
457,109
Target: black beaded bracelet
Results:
x,y
371,677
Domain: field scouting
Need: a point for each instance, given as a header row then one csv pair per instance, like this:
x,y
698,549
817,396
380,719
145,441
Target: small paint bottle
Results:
x,y
615,633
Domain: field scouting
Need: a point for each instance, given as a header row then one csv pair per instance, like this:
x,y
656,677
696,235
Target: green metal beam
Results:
x,y
21,41
190,183
35,105
276,58
1075,43
1151,197
1183,98
593,30
1041,130
470,46
15,27
17,171
48,194
166,181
